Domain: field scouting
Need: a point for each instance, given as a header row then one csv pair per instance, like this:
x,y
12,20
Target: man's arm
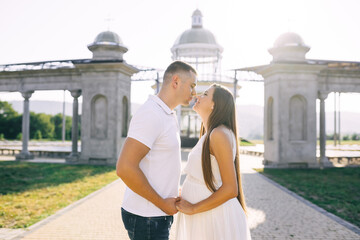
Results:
x,y
127,168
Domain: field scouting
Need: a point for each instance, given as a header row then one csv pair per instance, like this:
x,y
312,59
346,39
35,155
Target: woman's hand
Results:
x,y
185,207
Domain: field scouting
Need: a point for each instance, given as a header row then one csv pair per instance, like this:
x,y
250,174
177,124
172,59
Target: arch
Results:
x,y
270,119
297,118
99,117
125,117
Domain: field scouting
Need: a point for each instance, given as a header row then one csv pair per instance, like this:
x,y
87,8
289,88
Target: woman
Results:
x,y
212,204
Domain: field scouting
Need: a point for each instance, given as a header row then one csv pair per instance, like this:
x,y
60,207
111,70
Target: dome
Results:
x,y
289,39
108,37
107,45
196,35
289,47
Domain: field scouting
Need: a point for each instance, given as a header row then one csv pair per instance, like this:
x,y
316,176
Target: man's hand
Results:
x,y
169,206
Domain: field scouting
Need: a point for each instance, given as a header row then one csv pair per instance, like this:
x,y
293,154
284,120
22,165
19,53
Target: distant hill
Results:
x,y
350,122
48,107
250,117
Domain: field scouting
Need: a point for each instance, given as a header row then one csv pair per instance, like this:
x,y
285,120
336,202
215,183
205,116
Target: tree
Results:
x,y
41,125
19,136
41,122
10,121
38,135
57,122
355,136
346,137
6,110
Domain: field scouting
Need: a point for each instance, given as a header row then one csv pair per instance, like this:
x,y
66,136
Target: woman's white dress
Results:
x,y
225,222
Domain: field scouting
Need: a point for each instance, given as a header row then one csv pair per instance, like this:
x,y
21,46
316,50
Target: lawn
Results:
x,y
343,142
328,142
244,142
336,190
30,192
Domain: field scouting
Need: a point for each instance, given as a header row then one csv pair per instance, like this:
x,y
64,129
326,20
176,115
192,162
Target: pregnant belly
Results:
x,y
194,190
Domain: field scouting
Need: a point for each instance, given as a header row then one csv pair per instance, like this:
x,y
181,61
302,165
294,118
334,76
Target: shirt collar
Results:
x,y
161,104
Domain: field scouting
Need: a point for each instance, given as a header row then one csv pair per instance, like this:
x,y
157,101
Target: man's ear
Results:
x,y
175,81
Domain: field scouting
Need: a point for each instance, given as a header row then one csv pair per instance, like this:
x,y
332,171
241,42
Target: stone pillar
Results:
x,y
25,154
235,86
74,156
322,96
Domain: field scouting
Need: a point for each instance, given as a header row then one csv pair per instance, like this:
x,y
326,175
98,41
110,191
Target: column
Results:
x,y
74,156
235,86
25,154
322,96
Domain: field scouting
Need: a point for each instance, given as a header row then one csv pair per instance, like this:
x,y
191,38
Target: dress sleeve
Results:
x,y
145,127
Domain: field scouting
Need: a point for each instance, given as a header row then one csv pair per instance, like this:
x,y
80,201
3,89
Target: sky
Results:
x,y
40,30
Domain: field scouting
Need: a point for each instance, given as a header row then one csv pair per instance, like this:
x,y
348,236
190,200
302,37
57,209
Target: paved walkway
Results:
x,y
274,213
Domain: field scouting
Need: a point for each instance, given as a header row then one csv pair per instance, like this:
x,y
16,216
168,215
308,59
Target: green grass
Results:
x,y
343,142
328,142
30,192
336,190
244,142
257,141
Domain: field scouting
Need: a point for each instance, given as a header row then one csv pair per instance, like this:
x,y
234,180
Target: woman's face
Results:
x,y
204,103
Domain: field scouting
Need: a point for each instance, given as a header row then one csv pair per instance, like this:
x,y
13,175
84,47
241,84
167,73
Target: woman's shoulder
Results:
x,y
220,134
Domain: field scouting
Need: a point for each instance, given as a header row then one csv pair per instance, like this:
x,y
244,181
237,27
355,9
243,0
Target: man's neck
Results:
x,y
168,99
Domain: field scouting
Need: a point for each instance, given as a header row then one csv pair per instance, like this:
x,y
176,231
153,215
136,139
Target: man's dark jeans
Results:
x,y
146,228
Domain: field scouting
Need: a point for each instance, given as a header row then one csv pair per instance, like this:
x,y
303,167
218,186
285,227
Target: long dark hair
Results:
x,y
222,114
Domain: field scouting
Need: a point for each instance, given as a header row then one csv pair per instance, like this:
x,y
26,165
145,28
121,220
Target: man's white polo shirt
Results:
x,y
155,125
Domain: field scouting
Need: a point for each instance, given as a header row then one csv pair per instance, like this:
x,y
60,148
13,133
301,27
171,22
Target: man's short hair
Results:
x,y
176,67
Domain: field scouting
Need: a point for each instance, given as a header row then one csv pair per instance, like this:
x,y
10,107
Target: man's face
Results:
x,y
187,88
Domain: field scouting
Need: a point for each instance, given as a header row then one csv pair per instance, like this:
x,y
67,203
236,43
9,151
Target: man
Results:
x,y
150,161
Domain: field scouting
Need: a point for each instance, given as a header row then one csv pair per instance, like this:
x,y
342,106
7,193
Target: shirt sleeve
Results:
x,y
145,127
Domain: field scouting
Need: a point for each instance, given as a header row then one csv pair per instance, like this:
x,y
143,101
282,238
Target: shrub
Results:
x,y
19,136
38,135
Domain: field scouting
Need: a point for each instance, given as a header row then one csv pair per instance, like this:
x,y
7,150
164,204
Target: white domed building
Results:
x,y
199,47
103,82
292,85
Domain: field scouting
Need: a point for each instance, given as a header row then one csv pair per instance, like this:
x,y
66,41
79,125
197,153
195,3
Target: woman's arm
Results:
x,y
221,148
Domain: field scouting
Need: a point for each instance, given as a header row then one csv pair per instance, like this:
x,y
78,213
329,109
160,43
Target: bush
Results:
x,y
57,122
41,122
38,135
42,126
346,137
355,136
19,136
